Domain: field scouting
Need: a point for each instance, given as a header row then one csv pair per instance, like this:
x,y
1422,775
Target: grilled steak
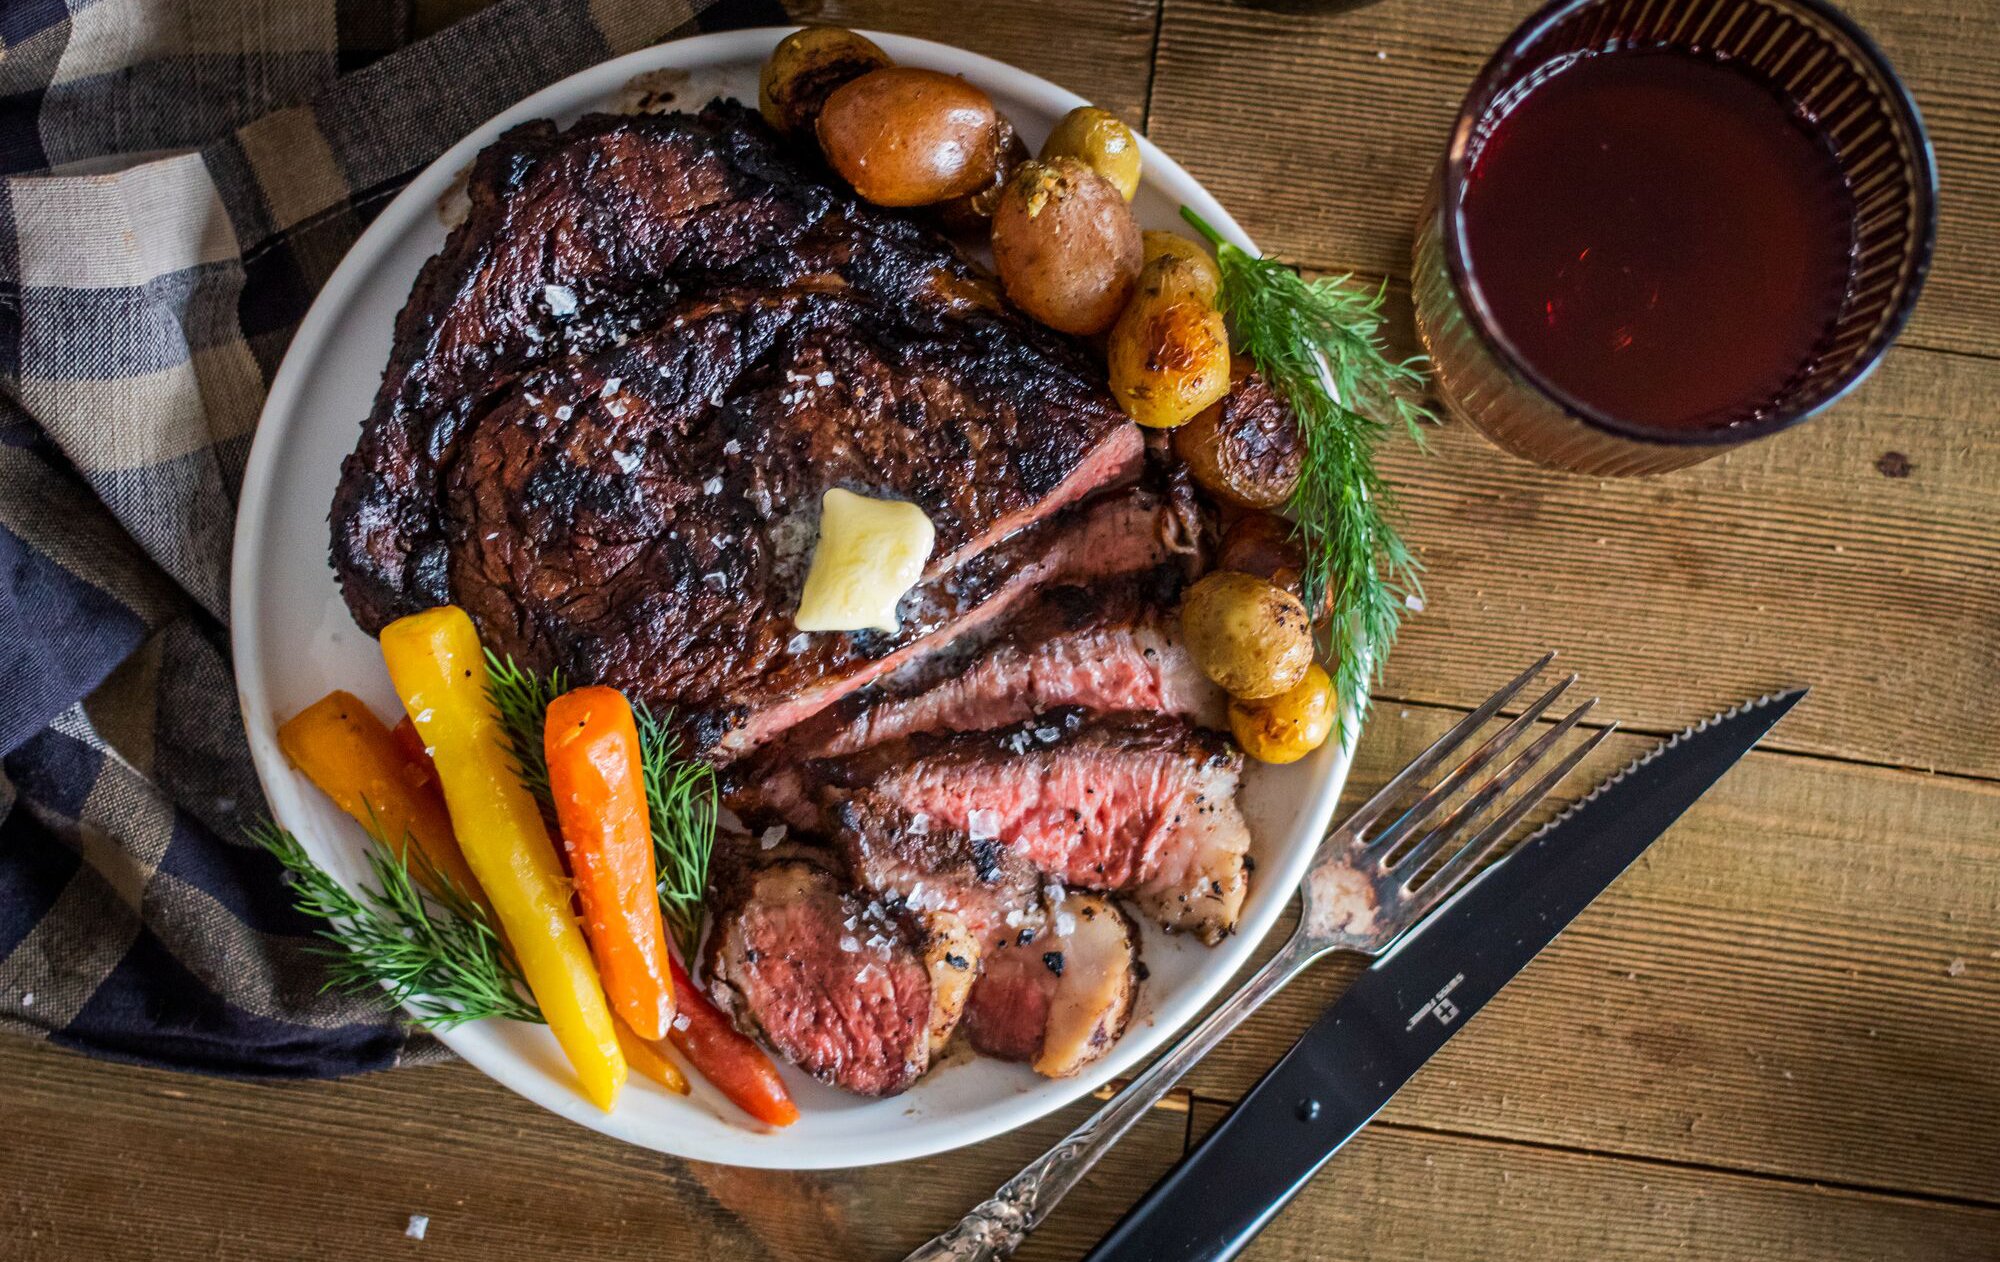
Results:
x,y
1107,648
831,979
1143,804
1061,1001
618,393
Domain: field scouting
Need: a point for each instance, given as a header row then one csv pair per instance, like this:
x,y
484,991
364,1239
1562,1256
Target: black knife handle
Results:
x,y
1213,1204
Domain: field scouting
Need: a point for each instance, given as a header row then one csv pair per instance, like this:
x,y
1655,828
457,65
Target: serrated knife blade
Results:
x,y
1410,1002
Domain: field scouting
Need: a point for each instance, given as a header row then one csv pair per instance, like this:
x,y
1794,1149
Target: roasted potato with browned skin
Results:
x,y
1287,727
805,68
1192,268
1266,545
1066,246
1101,141
904,136
1244,449
1249,636
972,214
1168,355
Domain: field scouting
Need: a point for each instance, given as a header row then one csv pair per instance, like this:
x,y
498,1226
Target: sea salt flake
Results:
x,y
713,486
920,824
28,999
561,299
564,412
849,944
681,1021
610,387
626,460
1414,603
823,379
798,643
715,580
1065,924
731,447
982,824
771,836
419,1224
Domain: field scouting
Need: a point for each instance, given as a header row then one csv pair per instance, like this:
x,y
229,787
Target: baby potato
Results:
x,y
1168,354
1066,245
904,136
1245,449
1101,141
972,214
1247,635
1262,544
805,68
1287,727
1190,268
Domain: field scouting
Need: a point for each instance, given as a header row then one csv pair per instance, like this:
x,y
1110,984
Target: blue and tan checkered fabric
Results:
x,y
177,179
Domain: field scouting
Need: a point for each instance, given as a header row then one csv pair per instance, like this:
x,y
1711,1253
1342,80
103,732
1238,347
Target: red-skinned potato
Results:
x,y
972,214
1264,545
1066,245
904,136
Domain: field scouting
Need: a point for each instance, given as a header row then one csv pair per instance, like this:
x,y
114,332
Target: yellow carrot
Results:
x,y
354,759
435,662
651,1061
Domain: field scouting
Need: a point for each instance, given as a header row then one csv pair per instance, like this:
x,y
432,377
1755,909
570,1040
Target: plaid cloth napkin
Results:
x,y
177,179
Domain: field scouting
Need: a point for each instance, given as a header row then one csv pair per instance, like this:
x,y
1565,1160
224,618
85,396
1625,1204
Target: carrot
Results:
x,y
415,755
648,1059
339,744
595,777
737,1066
435,661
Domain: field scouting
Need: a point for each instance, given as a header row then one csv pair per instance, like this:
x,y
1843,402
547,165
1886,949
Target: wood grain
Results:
x,y
1801,978
106,1162
1323,131
1396,1194
1101,49
1793,560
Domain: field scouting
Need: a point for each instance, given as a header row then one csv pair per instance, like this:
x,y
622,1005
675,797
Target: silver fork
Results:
x,y
1362,891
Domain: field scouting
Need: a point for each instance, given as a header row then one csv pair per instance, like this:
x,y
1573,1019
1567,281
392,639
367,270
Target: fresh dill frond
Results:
x,y
434,953
681,800
1319,344
681,796
522,697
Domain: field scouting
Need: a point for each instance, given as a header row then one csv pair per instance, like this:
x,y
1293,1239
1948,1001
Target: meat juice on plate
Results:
x,y
1660,235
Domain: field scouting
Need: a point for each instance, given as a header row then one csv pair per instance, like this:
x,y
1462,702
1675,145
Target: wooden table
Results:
x,y
1777,1037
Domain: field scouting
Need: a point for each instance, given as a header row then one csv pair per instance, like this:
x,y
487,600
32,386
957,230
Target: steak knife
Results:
x,y
1410,1002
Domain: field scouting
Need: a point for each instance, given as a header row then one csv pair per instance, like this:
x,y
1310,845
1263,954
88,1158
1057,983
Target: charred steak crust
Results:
x,y
616,394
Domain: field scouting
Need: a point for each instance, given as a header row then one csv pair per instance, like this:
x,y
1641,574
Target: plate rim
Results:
x,y
749,1147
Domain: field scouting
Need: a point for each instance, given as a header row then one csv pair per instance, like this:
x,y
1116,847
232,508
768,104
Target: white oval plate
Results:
x,y
294,642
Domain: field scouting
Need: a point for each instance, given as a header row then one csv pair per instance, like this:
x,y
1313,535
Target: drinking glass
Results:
x,y
1843,87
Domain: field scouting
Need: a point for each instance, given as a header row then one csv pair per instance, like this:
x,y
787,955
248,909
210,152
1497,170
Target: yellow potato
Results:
x,y
1168,354
1249,636
1287,727
903,136
1065,245
805,68
1101,141
1190,266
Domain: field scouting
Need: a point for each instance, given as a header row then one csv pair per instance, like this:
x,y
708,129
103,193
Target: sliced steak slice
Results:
x,y
1109,647
1144,804
832,980
1060,1002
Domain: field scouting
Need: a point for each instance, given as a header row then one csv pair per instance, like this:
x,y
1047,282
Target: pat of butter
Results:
x,y
870,552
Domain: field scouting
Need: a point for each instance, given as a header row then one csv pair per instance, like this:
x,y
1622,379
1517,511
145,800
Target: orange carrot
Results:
x,y
649,1060
354,759
737,1066
418,759
595,776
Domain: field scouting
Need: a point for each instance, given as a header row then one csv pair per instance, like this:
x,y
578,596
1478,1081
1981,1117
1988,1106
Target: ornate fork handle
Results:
x,y
997,1225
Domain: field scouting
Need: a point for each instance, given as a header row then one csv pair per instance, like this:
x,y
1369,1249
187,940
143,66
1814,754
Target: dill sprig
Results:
x,y
1319,344
522,698
433,952
681,795
681,800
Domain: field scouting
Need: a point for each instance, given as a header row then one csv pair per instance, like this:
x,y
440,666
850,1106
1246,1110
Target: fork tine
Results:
x,y
1495,745
1455,825
1453,871
1440,749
